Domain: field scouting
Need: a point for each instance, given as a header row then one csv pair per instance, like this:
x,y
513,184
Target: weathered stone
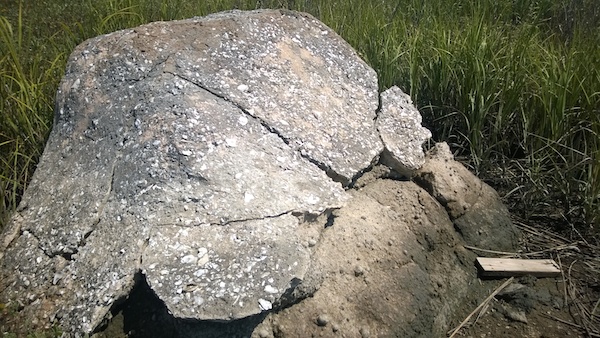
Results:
x,y
225,273
287,70
399,124
323,319
476,209
453,185
487,224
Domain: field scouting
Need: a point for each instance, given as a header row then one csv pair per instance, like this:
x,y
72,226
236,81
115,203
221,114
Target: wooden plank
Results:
x,y
506,267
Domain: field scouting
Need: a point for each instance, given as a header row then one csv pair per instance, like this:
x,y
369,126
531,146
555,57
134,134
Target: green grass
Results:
x,y
512,85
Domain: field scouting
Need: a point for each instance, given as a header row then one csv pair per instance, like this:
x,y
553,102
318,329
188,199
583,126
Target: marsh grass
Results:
x,y
27,83
513,86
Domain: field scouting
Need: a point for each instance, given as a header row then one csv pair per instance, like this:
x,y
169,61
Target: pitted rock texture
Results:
x,y
225,273
288,71
204,155
475,208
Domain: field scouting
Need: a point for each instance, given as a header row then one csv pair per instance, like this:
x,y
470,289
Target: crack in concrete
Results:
x,y
49,255
245,111
378,110
377,159
15,230
375,119
322,166
229,222
142,252
13,234
256,219
105,198
68,252
111,185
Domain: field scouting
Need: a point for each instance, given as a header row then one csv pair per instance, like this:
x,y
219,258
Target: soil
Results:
x,y
556,307
543,308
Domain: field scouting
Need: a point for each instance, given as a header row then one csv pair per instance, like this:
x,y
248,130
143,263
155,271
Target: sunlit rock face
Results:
x,y
204,155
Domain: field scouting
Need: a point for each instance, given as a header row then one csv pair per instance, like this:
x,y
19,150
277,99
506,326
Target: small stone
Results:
x,y
264,304
365,332
518,316
513,314
270,289
359,271
322,320
312,242
189,259
335,327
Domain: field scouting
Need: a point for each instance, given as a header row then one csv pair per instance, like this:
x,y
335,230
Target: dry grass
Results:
x,y
580,267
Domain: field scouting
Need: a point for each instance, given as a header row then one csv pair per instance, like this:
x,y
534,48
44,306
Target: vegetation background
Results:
x,y
512,85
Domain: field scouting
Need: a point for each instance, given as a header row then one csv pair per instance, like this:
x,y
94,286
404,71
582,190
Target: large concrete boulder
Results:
x,y
210,161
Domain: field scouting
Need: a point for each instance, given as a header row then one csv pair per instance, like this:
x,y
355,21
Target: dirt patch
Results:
x,y
542,307
565,306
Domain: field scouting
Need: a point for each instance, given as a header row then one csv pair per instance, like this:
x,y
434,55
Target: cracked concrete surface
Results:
x,y
328,170
192,151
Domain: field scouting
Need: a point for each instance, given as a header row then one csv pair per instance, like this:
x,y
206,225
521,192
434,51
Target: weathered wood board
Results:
x,y
507,267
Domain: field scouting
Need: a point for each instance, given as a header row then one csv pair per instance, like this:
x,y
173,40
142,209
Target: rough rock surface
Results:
x,y
288,71
475,208
399,125
207,159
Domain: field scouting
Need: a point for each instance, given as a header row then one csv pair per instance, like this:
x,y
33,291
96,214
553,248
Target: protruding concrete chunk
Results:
x,y
399,124
225,272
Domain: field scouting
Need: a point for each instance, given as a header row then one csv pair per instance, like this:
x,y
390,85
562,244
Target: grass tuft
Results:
x,y
27,84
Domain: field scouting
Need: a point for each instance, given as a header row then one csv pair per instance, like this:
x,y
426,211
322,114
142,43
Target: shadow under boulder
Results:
x,y
143,315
